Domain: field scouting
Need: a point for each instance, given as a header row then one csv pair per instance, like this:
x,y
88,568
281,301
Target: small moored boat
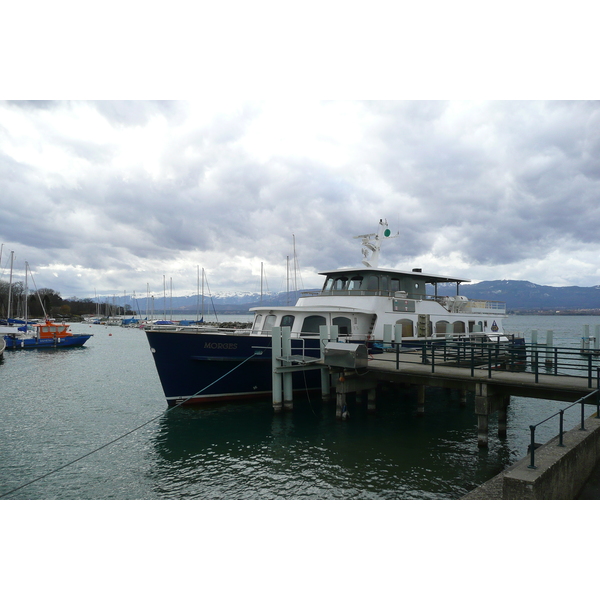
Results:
x,y
45,335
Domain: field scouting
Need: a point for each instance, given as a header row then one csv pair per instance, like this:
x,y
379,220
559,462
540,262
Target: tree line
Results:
x,y
47,301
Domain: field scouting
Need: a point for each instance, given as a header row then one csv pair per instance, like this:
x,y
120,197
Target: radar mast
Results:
x,y
371,243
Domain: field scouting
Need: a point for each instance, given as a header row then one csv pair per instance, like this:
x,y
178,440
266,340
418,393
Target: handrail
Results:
x,y
561,413
462,351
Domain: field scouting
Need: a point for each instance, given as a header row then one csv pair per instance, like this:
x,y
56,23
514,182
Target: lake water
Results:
x,y
60,405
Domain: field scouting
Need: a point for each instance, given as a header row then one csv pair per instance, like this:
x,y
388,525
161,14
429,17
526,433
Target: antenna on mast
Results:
x,y
372,243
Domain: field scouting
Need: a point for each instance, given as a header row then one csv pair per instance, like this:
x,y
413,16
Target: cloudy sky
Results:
x,y
110,196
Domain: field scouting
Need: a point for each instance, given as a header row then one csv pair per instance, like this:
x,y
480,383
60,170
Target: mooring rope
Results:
x,y
129,432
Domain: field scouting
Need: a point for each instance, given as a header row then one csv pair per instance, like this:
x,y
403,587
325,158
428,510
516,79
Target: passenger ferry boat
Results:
x,y
195,364
45,335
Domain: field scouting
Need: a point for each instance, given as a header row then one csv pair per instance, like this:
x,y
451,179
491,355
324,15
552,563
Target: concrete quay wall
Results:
x,y
561,472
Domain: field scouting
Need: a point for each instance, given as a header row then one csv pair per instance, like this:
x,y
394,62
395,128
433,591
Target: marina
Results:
x,y
78,400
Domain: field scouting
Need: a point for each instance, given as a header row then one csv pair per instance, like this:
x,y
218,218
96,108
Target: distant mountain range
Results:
x,y
228,303
518,295
527,296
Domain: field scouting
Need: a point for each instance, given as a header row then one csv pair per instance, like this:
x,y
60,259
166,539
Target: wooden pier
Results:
x,y
492,388
492,377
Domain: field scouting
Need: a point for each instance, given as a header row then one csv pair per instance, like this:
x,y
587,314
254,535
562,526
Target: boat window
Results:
x,y
395,285
328,284
372,283
441,327
355,283
269,322
340,283
407,327
459,326
311,324
287,320
257,322
344,325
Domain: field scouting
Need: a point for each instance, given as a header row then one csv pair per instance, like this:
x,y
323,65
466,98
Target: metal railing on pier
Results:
x,y
560,414
506,353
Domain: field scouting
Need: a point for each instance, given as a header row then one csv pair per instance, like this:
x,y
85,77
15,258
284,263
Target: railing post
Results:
x,y
397,356
489,362
537,362
472,359
598,394
432,357
532,448
589,370
560,433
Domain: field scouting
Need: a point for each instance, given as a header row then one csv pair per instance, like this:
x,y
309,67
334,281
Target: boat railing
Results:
x,y
451,303
460,304
475,306
384,293
197,329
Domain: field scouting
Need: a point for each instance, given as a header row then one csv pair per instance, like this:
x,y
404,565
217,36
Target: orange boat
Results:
x,y
46,335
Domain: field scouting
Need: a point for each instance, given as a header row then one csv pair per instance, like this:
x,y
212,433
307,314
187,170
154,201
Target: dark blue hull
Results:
x,y
201,367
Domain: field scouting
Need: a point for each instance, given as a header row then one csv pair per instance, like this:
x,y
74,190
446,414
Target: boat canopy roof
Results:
x,y
414,274
325,308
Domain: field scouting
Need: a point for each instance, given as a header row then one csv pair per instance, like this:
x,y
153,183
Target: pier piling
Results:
x,y
420,401
286,349
371,396
346,384
277,378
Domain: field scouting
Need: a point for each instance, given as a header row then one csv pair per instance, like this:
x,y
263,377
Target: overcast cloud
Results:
x,y
109,197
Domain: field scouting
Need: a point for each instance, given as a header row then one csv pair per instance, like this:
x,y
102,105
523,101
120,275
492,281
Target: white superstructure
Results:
x,y
362,301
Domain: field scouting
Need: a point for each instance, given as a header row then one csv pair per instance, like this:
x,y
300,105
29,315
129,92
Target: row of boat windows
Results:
x,y
442,327
312,323
371,283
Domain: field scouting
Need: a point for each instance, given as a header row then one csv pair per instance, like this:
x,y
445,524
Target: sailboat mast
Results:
x,y
26,293
164,298
197,292
12,256
295,265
